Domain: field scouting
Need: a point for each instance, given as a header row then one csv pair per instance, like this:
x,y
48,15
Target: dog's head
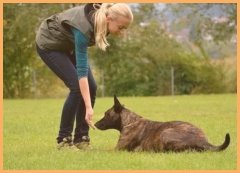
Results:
x,y
112,117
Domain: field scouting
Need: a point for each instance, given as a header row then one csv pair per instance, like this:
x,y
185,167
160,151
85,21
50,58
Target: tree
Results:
x,y
141,63
205,22
20,65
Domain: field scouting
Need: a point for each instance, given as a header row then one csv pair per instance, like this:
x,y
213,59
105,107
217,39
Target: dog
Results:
x,y
139,134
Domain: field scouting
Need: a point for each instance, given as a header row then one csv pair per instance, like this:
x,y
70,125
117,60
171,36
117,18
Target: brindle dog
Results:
x,y
139,134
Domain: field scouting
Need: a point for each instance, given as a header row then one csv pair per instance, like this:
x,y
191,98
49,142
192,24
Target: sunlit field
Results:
x,y
31,127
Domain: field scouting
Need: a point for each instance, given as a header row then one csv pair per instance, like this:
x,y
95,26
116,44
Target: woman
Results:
x,y
62,41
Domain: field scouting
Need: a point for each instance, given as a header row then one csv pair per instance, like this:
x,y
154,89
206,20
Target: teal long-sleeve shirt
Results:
x,y
81,45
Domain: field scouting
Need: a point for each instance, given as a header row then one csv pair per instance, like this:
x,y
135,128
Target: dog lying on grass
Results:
x,y
139,134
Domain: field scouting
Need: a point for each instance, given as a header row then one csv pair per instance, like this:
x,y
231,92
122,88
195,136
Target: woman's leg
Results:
x,y
61,65
82,127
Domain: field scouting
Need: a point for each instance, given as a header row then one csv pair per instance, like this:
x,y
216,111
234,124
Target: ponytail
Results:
x,y
100,23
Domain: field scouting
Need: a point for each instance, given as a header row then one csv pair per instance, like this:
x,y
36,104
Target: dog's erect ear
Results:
x,y
117,105
116,101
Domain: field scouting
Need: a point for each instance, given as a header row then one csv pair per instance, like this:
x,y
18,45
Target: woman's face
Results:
x,y
116,26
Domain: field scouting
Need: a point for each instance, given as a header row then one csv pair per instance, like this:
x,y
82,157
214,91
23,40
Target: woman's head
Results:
x,y
113,19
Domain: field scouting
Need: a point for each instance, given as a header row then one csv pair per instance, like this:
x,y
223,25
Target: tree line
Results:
x,y
141,63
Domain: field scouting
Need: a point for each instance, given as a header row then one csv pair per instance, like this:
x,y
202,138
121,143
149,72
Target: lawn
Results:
x,y
30,127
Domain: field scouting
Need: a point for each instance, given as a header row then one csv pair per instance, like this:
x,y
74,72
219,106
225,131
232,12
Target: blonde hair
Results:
x,y
100,20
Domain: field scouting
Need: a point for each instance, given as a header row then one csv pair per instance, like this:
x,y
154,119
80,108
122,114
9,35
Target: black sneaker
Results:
x,y
66,143
83,143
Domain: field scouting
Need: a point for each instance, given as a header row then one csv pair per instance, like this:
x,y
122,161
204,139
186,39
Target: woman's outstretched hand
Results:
x,y
88,117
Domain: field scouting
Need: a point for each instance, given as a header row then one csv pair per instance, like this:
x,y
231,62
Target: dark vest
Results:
x,y
55,32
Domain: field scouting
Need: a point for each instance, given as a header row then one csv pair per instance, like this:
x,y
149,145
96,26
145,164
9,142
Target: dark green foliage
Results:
x,y
139,64
24,73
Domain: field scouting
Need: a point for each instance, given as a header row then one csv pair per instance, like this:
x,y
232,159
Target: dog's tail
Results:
x,y
221,147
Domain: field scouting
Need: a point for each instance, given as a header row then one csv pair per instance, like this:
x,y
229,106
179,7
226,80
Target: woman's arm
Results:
x,y
81,44
84,87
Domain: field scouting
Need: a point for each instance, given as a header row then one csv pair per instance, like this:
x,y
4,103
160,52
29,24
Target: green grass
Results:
x,y
31,126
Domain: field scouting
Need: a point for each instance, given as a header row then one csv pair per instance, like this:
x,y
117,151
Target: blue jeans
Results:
x,y
64,66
